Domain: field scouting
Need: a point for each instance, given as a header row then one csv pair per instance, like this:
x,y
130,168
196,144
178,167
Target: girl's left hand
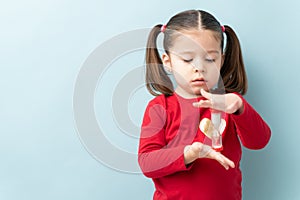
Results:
x,y
229,103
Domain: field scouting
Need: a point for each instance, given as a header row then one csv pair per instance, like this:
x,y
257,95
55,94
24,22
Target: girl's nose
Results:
x,y
198,68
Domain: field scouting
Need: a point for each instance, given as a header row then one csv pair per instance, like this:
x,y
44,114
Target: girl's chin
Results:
x,y
197,90
195,94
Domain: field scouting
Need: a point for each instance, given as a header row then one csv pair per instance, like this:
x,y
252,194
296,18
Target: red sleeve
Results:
x,y
251,128
155,158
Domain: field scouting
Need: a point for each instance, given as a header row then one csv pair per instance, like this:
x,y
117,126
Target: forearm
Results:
x,y
251,128
162,162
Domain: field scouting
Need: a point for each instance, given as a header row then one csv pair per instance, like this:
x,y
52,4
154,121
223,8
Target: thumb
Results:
x,y
205,94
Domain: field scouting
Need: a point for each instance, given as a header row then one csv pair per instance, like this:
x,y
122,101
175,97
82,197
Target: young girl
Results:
x,y
176,134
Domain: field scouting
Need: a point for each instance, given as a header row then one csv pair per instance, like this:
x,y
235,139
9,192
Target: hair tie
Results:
x,y
223,28
163,28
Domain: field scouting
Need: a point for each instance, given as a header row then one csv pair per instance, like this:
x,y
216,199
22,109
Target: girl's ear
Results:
x,y
166,60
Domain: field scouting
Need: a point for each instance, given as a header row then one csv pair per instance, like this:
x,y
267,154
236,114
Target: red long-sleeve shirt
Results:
x,y
171,123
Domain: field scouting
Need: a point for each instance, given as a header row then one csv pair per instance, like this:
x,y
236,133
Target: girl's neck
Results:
x,y
186,95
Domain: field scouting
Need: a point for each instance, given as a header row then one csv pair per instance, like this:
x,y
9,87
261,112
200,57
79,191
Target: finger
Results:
x,y
216,101
203,104
229,162
218,157
225,162
205,94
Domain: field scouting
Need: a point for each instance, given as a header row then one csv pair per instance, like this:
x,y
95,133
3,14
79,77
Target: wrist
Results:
x,y
240,109
188,155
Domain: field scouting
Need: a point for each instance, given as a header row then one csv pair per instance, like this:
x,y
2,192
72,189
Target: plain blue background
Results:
x,y
42,47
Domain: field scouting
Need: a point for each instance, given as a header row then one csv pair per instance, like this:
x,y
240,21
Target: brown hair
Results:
x,y
232,72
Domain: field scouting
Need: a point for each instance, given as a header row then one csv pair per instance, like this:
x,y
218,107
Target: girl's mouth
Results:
x,y
199,81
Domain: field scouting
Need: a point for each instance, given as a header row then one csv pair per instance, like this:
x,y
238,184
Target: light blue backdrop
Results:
x,y
43,45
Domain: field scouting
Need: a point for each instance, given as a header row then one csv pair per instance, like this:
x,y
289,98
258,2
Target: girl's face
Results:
x,y
195,59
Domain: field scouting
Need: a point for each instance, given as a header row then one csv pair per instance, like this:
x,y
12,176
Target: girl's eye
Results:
x,y
187,60
210,60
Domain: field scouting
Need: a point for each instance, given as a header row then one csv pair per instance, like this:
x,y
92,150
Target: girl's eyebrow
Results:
x,y
192,52
213,51
185,52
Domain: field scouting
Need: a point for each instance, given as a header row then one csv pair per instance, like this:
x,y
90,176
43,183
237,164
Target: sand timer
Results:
x,y
216,136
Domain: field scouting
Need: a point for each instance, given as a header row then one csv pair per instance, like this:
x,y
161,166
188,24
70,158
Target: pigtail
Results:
x,y
157,81
233,70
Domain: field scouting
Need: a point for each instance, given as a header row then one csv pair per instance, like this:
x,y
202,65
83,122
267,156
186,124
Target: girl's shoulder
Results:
x,y
163,100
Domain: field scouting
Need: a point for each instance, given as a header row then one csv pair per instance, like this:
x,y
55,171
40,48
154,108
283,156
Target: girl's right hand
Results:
x,y
200,150
230,103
